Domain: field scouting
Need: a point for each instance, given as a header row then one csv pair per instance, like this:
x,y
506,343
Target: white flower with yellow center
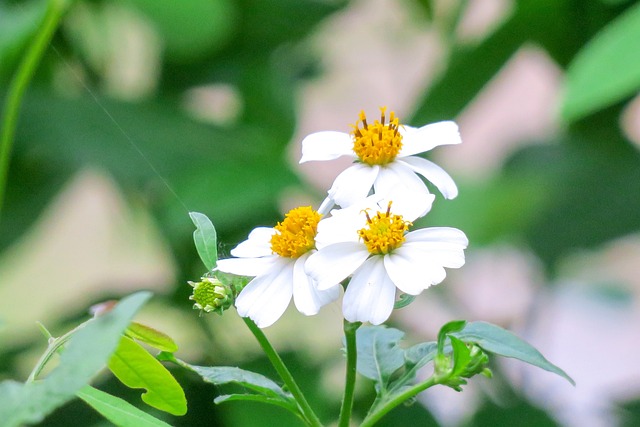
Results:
x,y
275,257
374,247
384,155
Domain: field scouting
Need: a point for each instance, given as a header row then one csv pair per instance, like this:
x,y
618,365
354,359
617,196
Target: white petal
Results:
x,y
332,264
247,266
258,244
306,296
442,245
266,297
326,206
339,228
434,174
353,184
443,254
326,145
411,272
423,139
410,196
439,234
370,294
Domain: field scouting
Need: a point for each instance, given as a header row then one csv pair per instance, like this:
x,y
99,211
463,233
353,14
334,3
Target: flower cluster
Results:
x,y
361,238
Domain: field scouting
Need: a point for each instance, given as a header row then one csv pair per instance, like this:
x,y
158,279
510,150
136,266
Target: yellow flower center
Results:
x,y
378,143
296,234
384,232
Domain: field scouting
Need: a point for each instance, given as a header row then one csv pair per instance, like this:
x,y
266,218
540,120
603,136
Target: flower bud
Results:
x,y
479,360
210,294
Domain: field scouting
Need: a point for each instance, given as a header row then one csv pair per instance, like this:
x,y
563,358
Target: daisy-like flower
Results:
x,y
375,247
384,155
275,257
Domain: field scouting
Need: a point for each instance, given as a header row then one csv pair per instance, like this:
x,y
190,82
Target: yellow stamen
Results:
x,y
296,233
384,232
378,143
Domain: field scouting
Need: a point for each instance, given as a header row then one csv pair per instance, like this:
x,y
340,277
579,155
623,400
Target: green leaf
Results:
x,y
268,391
606,70
494,339
116,410
228,374
206,239
415,357
421,354
379,355
136,368
152,337
85,354
288,405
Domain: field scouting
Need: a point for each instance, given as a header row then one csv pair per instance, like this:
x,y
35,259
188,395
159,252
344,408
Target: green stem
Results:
x,y
374,417
20,82
350,373
54,346
280,367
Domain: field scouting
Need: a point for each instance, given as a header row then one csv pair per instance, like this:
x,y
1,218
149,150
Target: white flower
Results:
x,y
276,257
384,155
373,246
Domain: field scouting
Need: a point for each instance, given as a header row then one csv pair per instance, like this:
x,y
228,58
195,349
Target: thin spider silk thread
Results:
x,y
122,131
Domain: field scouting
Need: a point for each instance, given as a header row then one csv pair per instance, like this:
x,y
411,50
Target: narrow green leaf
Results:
x,y
136,368
267,390
228,374
85,354
116,410
206,239
379,355
288,405
152,337
494,339
447,328
606,70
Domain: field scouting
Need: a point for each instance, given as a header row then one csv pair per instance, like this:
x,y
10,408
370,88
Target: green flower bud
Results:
x,y
477,363
210,294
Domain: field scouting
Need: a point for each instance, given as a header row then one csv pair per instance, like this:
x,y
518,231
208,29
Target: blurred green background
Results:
x,y
144,110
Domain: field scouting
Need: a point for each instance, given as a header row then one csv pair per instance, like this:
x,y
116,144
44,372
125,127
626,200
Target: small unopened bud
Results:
x,y
479,360
210,294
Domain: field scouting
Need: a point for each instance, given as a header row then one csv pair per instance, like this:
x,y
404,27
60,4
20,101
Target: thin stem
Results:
x,y
20,82
54,346
374,417
350,373
310,416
